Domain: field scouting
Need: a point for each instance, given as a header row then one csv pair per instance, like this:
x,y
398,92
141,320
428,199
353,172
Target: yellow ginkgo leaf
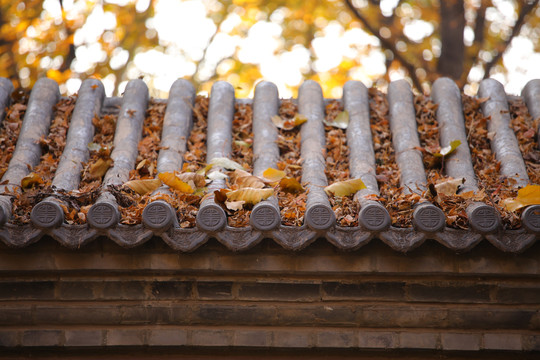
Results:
x,y
171,180
143,187
250,195
290,185
273,175
30,180
345,188
529,195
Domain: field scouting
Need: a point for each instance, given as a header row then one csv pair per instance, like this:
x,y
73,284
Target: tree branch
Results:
x,y
386,44
473,53
203,58
525,10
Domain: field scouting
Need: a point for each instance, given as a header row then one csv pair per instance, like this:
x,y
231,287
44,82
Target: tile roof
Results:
x,y
159,217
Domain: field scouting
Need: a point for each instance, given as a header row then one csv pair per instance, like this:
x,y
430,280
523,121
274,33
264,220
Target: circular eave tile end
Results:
x,y
47,215
429,218
374,217
320,217
484,219
531,218
265,217
102,216
211,218
158,215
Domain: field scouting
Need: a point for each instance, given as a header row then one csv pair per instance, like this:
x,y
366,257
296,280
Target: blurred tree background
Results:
x,y
284,41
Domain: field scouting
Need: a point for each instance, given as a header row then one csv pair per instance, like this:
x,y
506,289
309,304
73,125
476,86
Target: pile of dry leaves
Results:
x,y
10,127
188,186
37,184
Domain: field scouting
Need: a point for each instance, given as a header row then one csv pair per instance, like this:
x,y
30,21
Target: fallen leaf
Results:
x,y
94,146
198,179
220,196
345,188
204,170
100,167
290,185
141,164
226,163
447,150
242,143
449,187
249,182
288,124
238,173
217,175
143,187
341,121
250,195
273,175
235,205
30,180
171,180
529,195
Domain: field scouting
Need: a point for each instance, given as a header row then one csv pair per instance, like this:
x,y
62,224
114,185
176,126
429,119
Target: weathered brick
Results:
x,y
145,314
126,337
490,318
41,338
377,339
531,342
235,314
434,292
203,337
337,339
27,290
518,295
118,290
364,290
461,341
215,290
76,290
171,289
502,342
252,338
83,338
401,316
331,314
70,315
8,338
167,337
10,315
181,313
292,339
280,291
408,340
